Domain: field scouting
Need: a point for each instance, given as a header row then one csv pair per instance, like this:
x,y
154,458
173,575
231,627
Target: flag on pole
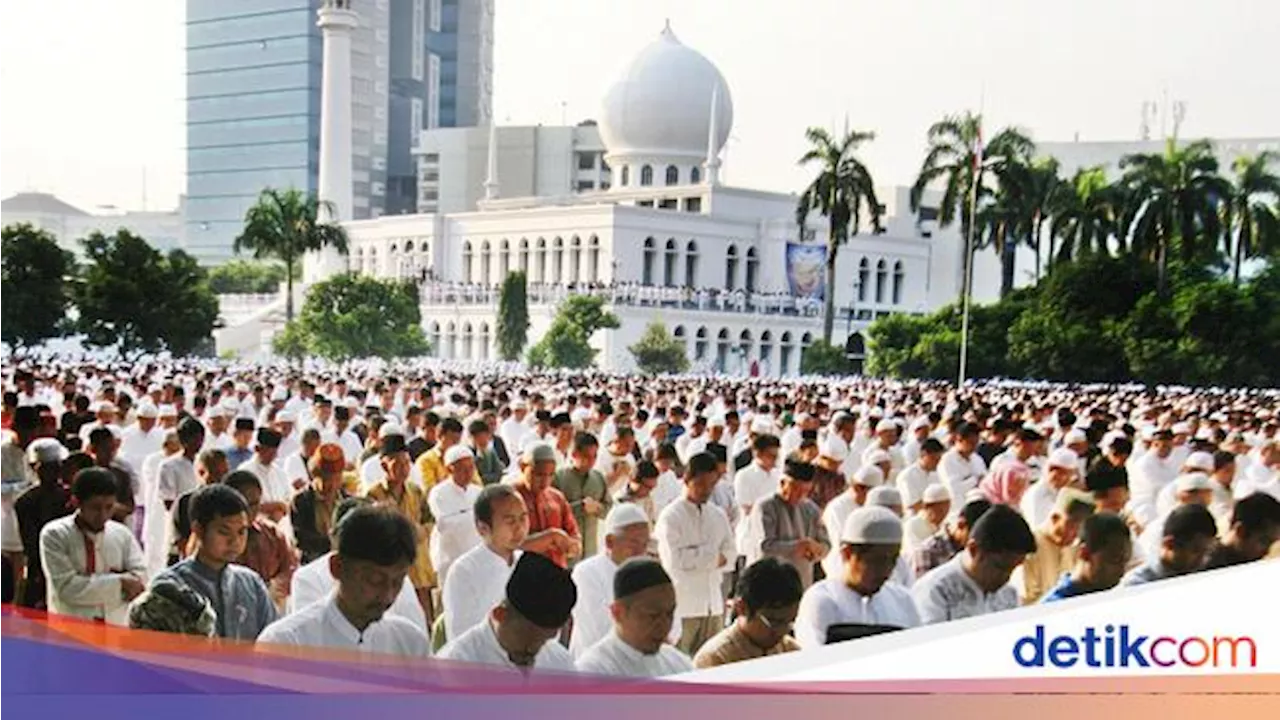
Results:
x,y
977,151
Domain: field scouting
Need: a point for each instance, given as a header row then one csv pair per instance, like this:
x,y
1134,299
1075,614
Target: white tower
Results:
x,y
491,178
712,164
336,20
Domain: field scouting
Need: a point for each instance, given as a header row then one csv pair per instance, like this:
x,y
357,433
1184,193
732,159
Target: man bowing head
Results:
x,y
643,609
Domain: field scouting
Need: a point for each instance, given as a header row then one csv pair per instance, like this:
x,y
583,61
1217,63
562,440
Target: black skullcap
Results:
x,y
1002,529
342,412
636,574
394,443
244,423
799,470
1104,477
809,435
269,438
541,591
719,452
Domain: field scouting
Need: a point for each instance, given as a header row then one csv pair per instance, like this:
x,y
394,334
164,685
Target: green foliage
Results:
x,y
352,316
513,316
36,288
657,352
567,343
243,276
133,296
823,358
290,342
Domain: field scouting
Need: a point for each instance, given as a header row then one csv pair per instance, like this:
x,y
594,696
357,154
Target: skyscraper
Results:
x,y
253,101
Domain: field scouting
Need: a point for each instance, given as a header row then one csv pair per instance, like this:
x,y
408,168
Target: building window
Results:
x,y
593,260
575,259
542,260
731,268
504,260
586,161
695,175
557,261
646,176
415,121
673,175
466,261
644,203
484,341
753,269
450,342
864,274
678,334
722,350
379,162
377,189
467,352
626,176
669,267
436,16
700,344
435,339
897,283
646,277
691,264
784,359
433,91
881,275
766,349
669,204
586,185
744,349
693,204
379,138
524,256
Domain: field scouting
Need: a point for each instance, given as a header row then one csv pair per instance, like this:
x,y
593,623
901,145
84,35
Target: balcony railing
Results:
x,y
627,294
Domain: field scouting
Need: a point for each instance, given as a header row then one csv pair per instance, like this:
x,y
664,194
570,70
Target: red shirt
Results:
x,y
549,509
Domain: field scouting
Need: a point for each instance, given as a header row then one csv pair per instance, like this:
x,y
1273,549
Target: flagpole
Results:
x,y
968,247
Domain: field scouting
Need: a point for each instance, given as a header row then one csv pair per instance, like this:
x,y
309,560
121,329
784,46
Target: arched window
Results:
x,y
593,259
669,266
524,256
897,282
766,350
864,275
373,261
678,334
408,246
467,351
722,350
731,268
787,350
691,264
700,344
435,339
575,259
466,262
695,175
646,176
673,175
647,270
486,262
504,259
753,269
744,349
557,261
542,260
881,275
626,176
450,342
355,262
484,341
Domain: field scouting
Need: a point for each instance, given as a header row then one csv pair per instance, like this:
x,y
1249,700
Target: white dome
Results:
x,y
659,108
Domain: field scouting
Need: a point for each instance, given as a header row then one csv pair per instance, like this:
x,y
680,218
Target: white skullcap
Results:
x,y
921,422
762,425
154,388
622,515
148,410
1073,437
886,426
834,447
875,457
286,416
168,411
1204,433
456,453
217,411
884,496
279,395
1181,428
872,525
869,476
1199,461
876,412
229,406
716,420
394,429
936,493
519,405
46,450
1064,458
1192,481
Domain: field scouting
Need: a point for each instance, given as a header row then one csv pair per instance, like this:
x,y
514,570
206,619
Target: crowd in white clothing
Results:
x,y
739,300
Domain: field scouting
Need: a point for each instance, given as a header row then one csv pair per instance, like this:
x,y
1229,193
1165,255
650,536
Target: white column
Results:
x,y
336,20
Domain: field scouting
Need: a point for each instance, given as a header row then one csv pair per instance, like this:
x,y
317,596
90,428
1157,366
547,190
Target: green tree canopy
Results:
x,y
513,316
567,343
353,316
36,271
133,297
244,276
657,352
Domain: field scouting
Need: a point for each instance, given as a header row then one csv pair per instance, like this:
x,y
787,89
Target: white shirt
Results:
x,y
70,589
322,624
752,485
591,617
896,461
668,490
1037,503
948,593
454,531
136,445
351,447
477,581
295,468
1147,476
913,480
274,487
513,432
691,541
612,656
832,602
792,437
915,530
148,477
960,475
480,645
175,476
833,517
313,582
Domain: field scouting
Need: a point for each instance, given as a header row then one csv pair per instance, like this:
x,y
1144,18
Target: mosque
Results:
x,y
727,270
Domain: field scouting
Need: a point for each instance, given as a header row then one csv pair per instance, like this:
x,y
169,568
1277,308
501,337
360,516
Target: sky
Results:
x,y
97,117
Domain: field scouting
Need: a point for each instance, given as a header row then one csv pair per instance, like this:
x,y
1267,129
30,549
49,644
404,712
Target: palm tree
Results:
x,y
1041,190
840,191
1085,214
284,225
1248,217
1002,218
1174,197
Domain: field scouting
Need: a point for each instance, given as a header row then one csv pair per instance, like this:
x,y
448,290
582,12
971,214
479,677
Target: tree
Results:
x,y
1173,198
823,358
353,316
839,193
285,225
36,272
1043,187
1085,213
657,352
512,328
242,276
567,343
132,297
1252,225
291,342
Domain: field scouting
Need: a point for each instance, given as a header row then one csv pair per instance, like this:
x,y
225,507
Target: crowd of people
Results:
x,y
602,523
631,293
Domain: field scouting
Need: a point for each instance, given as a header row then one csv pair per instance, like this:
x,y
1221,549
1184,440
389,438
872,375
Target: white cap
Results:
x,y
834,447
229,406
456,453
279,395
217,411
919,423
1073,437
622,515
875,457
869,476
1064,458
1199,461
872,525
148,410
1182,428
168,411
394,429
1191,482
46,450
936,493
716,420
886,426
286,416
762,425
884,496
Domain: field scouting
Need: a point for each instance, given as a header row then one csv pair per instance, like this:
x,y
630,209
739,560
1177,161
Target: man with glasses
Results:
x,y
766,604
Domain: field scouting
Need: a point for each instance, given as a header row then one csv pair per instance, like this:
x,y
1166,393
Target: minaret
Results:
x,y
713,149
336,20
491,179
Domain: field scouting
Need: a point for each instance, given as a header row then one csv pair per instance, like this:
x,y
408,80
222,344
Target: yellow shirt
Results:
x,y
412,503
432,468
1042,569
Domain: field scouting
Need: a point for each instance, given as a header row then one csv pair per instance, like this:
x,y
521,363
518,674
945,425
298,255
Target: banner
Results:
x,y
807,270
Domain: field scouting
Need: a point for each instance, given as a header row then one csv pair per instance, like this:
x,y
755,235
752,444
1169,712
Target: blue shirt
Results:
x,y
1066,588
237,456
238,595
